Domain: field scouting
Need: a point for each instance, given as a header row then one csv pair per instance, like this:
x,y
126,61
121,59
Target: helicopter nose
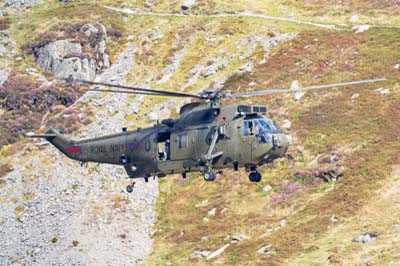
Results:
x,y
279,145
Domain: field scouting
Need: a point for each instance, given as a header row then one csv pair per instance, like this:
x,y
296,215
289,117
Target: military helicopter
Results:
x,y
207,136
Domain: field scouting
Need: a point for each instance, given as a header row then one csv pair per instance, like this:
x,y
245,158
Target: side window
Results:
x,y
182,141
247,128
257,128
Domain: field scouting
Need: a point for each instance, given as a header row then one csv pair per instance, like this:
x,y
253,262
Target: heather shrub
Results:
x,y
4,23
5,169
114,33
25,101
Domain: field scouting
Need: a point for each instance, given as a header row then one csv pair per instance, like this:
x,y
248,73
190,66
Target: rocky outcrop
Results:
x,y
3,76
58,222
22,3
64,59
7,44
67,59
187,4
97,35
366,238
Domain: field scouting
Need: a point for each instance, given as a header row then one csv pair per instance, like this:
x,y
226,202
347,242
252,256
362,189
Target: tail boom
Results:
x,y
63,144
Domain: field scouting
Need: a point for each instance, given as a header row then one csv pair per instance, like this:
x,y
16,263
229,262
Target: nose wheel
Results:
x,y
255,176
209,175
129,188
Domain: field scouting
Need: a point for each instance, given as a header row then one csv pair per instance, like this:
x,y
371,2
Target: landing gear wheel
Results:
x,y
209,175
236,166
129,188
255,177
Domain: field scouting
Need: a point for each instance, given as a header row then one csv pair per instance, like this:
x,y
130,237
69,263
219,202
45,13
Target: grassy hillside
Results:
x,y
303,219
362,132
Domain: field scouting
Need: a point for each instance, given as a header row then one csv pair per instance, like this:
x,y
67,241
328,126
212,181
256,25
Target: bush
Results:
x,y
5,169
4,23
78,55
26,101
43,40
114,33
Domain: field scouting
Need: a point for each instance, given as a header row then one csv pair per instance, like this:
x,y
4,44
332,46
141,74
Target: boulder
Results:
x,y
3,50
238,238
361,28
158,114
252,84
22,3
66,59
97,34
282,223
366,238
212,212
396,226
294,86
51,58
287,124
199,254
353,19
7,44
209,71
298,95
217,252
188,4
247,67
267,188
383,91
355,96
266,250
3,76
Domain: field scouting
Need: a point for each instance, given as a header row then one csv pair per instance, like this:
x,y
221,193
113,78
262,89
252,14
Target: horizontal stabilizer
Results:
x,y
40,135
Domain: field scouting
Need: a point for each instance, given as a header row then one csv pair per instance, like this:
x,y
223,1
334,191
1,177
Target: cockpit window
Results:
x,y
264,124
248,128
260,127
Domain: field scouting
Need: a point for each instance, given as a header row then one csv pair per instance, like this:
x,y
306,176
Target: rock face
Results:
x,y
53,58
7,44
98,33
266,250
72,215
3,76
366,238
200,254
217,252
66,59
22,3
187,4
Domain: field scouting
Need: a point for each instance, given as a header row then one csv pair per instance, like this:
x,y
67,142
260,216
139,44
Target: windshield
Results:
x,y
267,124
260,127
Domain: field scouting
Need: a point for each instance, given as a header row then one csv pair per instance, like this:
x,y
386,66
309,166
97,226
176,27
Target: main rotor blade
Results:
x,y
139,90
132,92
315,87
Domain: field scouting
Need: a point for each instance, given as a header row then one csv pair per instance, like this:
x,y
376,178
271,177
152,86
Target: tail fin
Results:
x,y
65,145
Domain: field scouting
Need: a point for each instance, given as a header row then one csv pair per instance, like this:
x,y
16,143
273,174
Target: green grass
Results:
x,y
329,114
364,132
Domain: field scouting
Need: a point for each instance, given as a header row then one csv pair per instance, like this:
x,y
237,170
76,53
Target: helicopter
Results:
x,y
205,137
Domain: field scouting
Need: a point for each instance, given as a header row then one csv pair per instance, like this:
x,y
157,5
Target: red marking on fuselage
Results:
x,y
74,149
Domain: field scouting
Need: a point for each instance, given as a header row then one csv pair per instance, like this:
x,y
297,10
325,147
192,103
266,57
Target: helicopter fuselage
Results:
x,y
204,136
